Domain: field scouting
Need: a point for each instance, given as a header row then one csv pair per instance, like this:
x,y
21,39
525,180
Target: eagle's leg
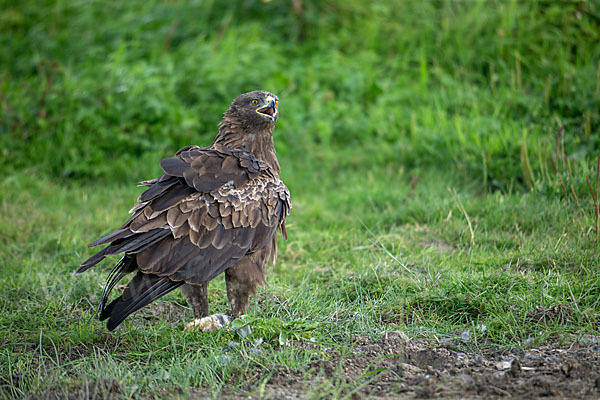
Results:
x,y
197,298
242,280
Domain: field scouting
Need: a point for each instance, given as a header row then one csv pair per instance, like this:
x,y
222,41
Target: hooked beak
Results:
x,y
270,110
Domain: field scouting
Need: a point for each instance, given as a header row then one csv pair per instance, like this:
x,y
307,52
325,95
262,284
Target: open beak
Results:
x,y
270,110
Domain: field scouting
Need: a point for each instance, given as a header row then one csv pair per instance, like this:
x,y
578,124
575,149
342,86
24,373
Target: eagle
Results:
x,y
214,209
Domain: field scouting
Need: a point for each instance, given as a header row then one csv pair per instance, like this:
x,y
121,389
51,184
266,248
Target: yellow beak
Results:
x,y
270,109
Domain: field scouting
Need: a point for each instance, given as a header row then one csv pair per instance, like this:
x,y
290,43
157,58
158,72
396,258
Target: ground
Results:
x,y
394,366
390,365
442,159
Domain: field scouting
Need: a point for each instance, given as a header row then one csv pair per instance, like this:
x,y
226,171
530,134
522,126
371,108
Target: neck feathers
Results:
x,y
258,141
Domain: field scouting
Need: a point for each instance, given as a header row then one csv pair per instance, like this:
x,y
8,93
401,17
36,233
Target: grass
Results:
x,y
417,139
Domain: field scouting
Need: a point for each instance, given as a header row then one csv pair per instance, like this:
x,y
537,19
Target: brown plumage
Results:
x,y
214,209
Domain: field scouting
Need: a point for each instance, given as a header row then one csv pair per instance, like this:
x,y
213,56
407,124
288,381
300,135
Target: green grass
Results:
x,y
415,137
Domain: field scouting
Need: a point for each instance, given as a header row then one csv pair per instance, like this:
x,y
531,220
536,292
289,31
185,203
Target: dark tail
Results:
x,y
125,265
141,291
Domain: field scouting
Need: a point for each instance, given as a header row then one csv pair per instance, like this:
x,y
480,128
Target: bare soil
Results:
x,y
403,368
396,367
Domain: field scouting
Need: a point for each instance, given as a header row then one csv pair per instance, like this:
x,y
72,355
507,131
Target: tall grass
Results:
x,y
101,90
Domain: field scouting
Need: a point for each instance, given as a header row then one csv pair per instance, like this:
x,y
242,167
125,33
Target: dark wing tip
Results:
x,y
112,325
93,260
118,234
174,166
83,267
80,270
94,243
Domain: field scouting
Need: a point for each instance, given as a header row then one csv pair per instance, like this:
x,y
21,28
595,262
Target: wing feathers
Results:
x,y
143,224
118,234
132,244
172,197
196,220
93,260
174,166
158,188
202,185
176,218
206,238
232,166
143,241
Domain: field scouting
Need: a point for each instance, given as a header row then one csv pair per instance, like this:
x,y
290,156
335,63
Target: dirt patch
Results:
x,y
394,366
95,389
562,313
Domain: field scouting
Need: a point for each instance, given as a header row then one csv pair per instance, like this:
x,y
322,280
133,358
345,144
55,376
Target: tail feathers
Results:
x,y
126,265
141,291
132,244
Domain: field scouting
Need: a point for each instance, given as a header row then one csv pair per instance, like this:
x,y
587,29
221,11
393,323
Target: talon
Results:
x,y
211,323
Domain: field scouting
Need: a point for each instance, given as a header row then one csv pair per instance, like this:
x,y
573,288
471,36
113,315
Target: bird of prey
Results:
x,y
214,209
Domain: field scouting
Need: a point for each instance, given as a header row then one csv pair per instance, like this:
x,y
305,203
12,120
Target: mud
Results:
x,y
395,367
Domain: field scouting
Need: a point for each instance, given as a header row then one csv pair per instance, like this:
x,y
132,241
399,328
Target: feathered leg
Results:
x,y
197,298
242,280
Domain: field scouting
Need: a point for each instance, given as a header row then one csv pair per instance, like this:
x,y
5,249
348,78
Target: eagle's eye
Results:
x,y
254,102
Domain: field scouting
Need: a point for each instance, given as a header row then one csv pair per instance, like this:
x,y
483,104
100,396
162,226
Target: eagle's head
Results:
x,y
257,110
248,125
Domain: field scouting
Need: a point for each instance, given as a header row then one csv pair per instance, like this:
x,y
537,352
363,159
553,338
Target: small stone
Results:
x,y
553,359
499,374
466,379
532,356
503,365
588,339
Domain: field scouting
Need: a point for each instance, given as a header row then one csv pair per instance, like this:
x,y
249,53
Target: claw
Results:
x,y
211,323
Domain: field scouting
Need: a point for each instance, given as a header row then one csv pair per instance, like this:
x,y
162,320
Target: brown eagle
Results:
x,y
214,209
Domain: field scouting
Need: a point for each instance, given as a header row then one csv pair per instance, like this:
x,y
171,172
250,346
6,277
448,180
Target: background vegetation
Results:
x,y
437,155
